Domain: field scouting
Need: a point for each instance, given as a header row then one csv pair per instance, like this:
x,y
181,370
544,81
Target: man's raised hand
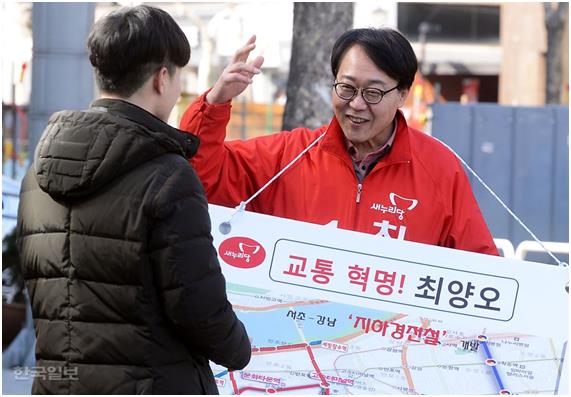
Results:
x,y
236,77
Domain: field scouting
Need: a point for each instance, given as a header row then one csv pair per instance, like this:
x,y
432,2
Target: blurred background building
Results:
x,y
468,52
493,83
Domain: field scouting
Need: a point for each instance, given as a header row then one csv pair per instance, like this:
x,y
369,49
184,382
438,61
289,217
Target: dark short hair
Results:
x,y
387,48
130,44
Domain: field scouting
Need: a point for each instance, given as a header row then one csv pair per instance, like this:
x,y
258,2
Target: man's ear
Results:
x,y
160,79
402,96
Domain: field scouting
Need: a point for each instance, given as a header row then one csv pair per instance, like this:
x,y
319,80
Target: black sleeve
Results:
x,y
190,281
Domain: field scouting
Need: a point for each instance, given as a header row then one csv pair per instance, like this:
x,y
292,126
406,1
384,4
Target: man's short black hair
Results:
x,y
130,44
387,48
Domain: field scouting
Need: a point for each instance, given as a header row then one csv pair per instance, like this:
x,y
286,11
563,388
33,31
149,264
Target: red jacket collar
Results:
x,y
334,142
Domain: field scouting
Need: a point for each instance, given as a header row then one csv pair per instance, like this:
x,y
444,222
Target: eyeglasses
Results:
x,y
371,95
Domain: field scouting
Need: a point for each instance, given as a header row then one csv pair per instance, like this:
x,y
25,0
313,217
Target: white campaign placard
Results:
x,y
318,293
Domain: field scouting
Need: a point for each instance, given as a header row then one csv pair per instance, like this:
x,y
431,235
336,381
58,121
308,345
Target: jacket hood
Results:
x,y
81,151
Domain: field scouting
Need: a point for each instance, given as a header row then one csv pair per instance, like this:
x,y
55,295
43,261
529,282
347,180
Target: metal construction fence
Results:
x,y
522,153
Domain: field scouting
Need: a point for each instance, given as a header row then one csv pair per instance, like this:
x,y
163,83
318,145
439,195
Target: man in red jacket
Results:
x,y
369,172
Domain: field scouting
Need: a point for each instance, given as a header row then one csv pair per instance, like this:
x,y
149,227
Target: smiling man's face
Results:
x,y
366,126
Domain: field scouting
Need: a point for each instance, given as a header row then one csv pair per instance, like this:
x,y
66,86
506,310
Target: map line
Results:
x,y
278,305
560,368
221,374
279,389
324,383
489,358
234,385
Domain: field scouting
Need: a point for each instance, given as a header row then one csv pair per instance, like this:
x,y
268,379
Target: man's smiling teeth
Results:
x,y
356,119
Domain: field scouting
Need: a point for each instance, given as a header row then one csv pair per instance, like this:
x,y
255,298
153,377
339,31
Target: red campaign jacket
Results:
x,y
418,192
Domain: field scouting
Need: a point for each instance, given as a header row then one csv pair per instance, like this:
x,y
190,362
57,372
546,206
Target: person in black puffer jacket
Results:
x,y
114,234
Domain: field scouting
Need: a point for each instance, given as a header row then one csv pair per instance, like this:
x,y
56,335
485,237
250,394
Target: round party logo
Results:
x,y
242,252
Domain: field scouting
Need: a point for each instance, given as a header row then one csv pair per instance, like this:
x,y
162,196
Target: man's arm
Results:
x,y
232,171
189,278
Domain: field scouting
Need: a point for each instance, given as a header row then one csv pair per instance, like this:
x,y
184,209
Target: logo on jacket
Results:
x,y
242,252
398,203
410,202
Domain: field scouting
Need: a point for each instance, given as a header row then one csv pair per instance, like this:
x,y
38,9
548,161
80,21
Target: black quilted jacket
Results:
x,y
114,235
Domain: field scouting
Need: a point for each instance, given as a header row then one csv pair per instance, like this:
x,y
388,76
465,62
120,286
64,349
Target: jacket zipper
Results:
x,y
357,206
360,190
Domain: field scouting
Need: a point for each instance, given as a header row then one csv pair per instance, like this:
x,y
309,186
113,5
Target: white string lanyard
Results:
x,y
504,205
226,226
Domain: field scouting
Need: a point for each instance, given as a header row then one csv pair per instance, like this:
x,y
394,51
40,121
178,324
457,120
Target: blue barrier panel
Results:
x,y
561,176
522,153
492,157
532,178
455,124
